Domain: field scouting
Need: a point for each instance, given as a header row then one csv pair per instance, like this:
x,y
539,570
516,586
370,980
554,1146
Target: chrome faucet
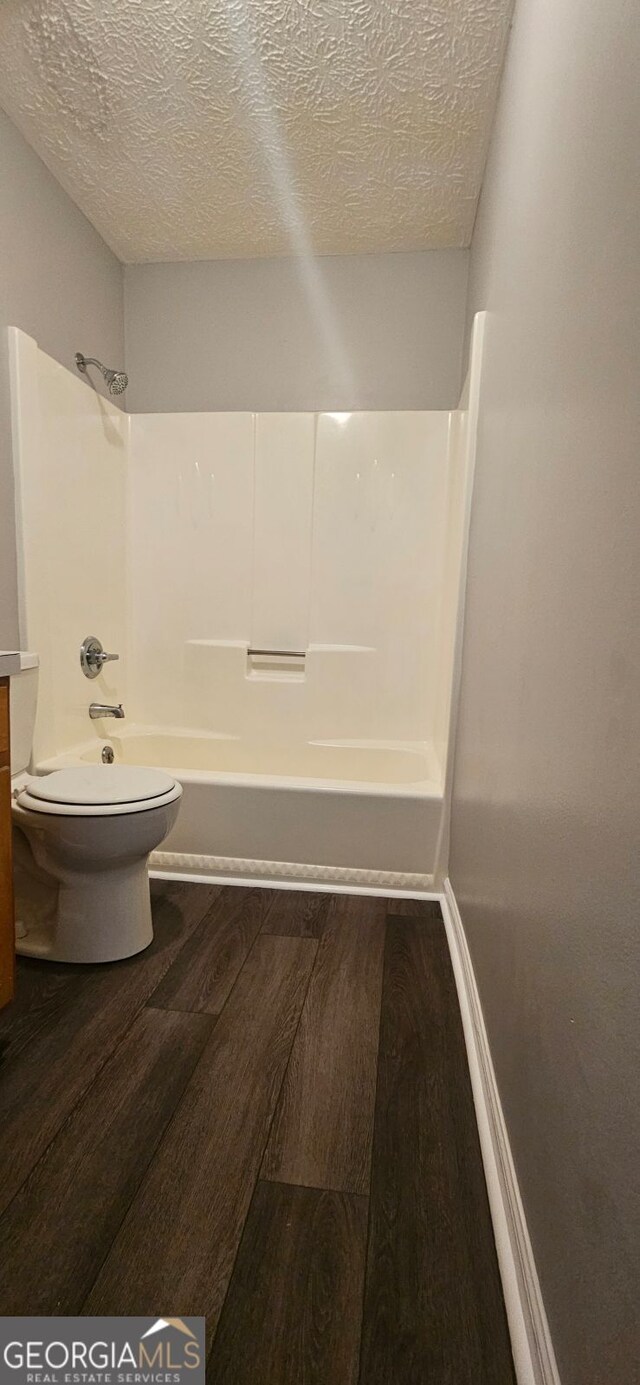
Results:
x,y
102,709
93,657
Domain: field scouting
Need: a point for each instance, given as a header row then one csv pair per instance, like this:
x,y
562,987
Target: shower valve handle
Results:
x,y
93,657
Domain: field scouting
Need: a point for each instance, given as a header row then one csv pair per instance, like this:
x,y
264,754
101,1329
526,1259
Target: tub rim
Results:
x,y
419,789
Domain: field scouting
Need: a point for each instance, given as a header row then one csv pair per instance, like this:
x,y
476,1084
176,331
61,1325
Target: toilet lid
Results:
x,y
99,785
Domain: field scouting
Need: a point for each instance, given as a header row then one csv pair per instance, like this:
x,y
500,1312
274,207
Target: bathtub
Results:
x,y
343,811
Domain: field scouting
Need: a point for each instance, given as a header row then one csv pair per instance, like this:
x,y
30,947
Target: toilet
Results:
x,y
82,838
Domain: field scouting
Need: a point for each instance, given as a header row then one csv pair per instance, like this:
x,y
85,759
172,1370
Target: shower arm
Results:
x,y
83,361
117,380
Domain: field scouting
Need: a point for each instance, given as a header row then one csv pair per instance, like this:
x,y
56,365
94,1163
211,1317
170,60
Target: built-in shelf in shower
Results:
x,y
276,663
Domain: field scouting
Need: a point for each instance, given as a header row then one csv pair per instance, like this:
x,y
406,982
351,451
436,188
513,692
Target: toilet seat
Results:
x,y
99,791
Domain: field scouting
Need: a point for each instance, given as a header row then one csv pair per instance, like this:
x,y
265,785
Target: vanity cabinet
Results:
x,y
7,932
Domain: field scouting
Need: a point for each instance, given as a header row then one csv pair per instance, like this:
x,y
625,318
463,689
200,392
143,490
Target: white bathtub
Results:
x,y
349,811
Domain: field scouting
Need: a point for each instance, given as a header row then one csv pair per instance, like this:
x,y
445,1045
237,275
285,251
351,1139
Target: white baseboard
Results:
x,y
533,1353
274,883
283,874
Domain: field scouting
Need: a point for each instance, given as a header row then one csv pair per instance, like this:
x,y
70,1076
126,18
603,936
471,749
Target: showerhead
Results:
x,y
117,380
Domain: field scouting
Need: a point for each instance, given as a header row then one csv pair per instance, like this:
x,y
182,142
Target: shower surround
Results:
x,y
283,590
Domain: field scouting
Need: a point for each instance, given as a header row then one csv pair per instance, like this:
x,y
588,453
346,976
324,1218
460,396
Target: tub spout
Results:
x,y
101,709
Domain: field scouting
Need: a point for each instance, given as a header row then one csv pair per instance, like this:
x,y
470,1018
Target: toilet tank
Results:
x,y
23,700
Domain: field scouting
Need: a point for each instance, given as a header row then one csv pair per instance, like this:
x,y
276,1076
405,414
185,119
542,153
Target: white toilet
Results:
x,y
81,842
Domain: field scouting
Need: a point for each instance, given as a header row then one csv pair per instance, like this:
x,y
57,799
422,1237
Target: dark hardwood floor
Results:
x,y
265,1119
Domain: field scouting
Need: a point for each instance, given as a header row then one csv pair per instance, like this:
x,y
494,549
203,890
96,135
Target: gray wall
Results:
x,y
546,812
349,332
60,283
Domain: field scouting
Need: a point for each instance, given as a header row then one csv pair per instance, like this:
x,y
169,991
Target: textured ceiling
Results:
x,y
198,129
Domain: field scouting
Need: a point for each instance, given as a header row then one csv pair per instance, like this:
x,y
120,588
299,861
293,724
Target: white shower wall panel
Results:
x,y
377,562
70,462
190,546
283,512
316,533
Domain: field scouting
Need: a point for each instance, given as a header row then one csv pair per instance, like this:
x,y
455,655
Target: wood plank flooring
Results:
x,y
432,1297
198,1189
207,966
96,1163
323,1127
265,1119
294,1307
53,1044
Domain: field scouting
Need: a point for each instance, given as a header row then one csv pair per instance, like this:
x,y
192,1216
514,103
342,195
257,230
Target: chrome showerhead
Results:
x,y
117,380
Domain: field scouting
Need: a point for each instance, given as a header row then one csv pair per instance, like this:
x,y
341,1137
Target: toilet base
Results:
x,y
96,918
81,880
